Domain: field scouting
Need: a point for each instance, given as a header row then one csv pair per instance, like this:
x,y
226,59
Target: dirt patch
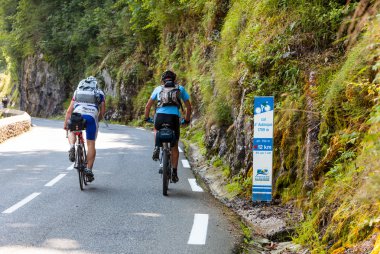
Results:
x,y
271,221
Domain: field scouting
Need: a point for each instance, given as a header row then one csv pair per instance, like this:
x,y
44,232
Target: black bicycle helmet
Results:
x,y
168,75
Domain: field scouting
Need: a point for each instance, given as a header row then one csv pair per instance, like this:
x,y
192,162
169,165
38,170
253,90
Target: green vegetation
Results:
x,y
195,135
247,233
225,53
79,38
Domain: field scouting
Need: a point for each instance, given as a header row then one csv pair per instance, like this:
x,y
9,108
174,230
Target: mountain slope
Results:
x,y
320,59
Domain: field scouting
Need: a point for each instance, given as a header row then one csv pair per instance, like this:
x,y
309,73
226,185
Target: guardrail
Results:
x,y
14,123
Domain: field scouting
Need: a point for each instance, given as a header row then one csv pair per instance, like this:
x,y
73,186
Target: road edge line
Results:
x,y
198,233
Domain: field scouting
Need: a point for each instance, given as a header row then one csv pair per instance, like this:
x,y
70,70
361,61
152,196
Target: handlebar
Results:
x,y
182,121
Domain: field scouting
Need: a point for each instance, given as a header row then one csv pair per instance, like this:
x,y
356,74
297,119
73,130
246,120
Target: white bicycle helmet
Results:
x,y
89,82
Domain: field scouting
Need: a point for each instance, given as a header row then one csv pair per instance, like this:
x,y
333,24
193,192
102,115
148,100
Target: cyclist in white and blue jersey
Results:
x,y
89,101
169,97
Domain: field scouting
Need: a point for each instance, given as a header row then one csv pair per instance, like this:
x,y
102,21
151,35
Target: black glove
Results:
x,y
148,120
184,121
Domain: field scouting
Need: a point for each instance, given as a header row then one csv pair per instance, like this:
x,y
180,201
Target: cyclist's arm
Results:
x,y
68,114
102,111
188,110
147,107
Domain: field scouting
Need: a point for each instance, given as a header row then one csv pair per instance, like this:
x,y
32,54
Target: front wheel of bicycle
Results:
x,y
80,165
165,170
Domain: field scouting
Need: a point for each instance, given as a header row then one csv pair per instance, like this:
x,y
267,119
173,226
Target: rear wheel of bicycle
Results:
x,y
165,172
81,179
80,166
84,156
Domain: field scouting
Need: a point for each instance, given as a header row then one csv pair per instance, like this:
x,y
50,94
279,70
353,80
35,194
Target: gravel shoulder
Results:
x,y
271,225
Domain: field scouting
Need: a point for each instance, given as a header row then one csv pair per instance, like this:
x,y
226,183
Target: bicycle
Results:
x,y
80,163
165,137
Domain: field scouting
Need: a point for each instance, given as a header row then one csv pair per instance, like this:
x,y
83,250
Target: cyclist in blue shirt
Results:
x,y
169,97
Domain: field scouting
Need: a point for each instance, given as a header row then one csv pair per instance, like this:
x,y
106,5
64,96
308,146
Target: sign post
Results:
x,y
262,148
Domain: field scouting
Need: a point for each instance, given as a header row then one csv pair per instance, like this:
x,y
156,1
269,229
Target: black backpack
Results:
x,y
77,122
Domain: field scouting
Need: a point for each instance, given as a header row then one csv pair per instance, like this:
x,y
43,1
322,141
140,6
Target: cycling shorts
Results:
x,y
91,127
171,119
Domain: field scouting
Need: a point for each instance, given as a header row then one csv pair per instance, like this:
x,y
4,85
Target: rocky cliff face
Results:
x,y
109,83
233,142
41,91
123,92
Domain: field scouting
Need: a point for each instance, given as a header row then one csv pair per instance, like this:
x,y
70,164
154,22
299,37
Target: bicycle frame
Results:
x,y
166,147
80,143
80,157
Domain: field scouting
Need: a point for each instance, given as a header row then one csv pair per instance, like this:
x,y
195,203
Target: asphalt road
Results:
x,y
42,209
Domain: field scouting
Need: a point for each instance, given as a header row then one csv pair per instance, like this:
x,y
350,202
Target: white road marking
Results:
x,y
71,167
194,186
55,180
199,231
185,164
148,214
180,150
22,202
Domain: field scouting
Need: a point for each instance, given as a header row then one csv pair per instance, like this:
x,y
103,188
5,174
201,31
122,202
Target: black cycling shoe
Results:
x,y
175,176
88,172
156,153
72,154
90,179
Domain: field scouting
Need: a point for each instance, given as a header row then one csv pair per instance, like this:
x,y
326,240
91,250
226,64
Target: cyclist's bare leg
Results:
x,y
175,155
72,138
91,153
